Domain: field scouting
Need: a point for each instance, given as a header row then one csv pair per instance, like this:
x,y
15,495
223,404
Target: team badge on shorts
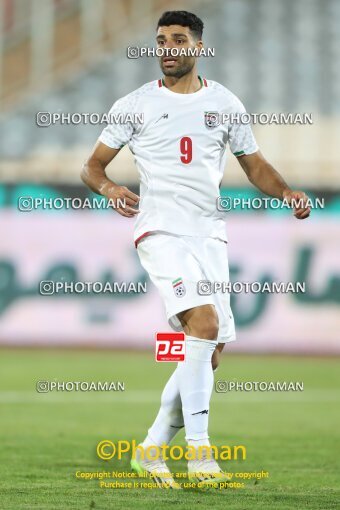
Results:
x,y
178,287
211,119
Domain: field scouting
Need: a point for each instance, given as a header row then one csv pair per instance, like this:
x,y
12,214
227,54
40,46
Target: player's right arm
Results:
x,y
94,176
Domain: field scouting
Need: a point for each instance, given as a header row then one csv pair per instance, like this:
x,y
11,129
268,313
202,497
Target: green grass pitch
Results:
x,y
46,438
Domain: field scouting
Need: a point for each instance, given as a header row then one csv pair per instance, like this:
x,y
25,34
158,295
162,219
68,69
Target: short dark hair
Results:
x,y
183,18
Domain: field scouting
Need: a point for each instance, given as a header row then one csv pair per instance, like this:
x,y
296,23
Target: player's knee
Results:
x,y
207,328
214,364
200,322
215,360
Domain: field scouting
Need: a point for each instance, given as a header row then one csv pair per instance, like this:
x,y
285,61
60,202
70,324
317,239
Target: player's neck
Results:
x,y
187,84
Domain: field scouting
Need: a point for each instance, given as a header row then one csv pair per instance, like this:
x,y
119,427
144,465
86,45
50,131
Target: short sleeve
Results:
x,y
240,135
119,133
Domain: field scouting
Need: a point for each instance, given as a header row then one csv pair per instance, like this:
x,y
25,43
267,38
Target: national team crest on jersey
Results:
x,y
211,119
178,287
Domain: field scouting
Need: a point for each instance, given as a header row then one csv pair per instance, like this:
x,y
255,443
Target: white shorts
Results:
x,y
176,264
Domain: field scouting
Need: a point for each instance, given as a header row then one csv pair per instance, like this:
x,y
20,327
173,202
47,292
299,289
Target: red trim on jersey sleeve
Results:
x,y
205,82
142,237
160,83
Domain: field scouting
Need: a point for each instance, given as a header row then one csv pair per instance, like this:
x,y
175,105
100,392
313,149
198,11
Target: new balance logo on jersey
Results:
x,y
205,411
164,116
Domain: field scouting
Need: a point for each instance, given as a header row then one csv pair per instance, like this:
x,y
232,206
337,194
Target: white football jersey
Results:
x,y
180,153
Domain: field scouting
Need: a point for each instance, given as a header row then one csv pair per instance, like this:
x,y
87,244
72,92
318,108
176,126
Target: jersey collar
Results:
x,y
203,82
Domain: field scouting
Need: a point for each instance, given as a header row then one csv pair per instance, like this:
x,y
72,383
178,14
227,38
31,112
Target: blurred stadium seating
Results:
x,y
70,56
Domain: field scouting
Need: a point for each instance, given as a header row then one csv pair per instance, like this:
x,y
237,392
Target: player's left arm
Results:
x,y
264,176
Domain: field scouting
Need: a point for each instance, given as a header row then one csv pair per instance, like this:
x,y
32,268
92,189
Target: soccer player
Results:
x,y
180,152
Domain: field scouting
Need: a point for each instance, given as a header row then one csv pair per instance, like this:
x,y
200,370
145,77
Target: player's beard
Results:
x,y
180,70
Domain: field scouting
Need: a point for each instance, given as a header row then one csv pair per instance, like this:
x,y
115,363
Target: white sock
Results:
x,y
169,419
198,442
195,378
